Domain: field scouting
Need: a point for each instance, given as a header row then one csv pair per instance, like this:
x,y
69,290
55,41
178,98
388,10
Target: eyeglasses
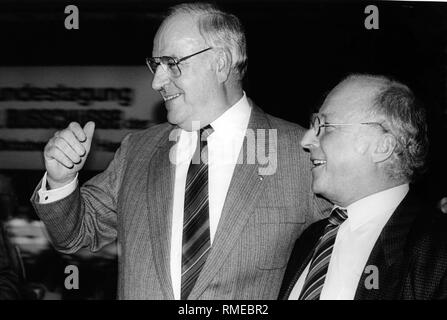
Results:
x,y
317,122
169,63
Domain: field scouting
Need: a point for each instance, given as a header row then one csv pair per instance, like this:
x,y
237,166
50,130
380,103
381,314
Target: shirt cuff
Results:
x,y
48,196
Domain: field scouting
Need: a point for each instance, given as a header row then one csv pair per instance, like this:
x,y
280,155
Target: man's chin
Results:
x,y
185,125
317,188
173,118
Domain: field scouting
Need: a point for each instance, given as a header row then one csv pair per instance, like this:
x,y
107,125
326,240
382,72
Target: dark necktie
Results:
x,y
322,255
196,242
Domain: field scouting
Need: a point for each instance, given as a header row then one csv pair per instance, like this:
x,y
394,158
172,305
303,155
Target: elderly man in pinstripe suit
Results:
x,y
199,208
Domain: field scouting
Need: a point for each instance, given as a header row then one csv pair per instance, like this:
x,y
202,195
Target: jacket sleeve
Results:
x,y
88,216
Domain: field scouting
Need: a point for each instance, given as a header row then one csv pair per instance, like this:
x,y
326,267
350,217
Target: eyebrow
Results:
x,y
165,55
325,115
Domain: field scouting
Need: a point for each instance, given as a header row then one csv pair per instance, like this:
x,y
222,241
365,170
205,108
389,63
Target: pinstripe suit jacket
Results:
x,y
131,201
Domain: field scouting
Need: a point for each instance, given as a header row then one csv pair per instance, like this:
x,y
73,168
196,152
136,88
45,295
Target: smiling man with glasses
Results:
x,y
367,144
189,230
198,68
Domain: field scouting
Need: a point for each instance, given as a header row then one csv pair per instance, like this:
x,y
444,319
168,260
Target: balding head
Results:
x,y
396,106
219,29
370,136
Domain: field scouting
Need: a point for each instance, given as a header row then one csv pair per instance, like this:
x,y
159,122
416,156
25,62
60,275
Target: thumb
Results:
x,y
89,129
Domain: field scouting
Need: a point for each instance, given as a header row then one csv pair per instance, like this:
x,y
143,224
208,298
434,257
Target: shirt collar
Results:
x,y
377,207
235,118
230,126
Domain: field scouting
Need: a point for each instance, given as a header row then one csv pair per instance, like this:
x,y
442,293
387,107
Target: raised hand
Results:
x,y
66,152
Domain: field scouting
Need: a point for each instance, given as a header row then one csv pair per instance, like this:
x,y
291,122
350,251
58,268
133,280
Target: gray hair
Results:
x,y
219,29
405,118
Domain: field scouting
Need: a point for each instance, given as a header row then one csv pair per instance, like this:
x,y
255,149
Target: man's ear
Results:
x,y
223,64
384,147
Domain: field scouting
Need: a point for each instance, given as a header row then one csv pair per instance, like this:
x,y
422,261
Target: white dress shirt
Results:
x,y
224,146
355,240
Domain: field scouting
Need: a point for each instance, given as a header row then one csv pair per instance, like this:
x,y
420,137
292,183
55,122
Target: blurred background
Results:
x,y
50,76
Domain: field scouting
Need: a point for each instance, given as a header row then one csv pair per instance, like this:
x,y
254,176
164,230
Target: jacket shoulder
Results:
x,y
149,137
430,232
429,256
289,134
153,132
284,125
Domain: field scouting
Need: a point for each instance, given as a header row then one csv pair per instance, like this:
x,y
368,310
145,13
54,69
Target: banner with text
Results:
x,y
37,101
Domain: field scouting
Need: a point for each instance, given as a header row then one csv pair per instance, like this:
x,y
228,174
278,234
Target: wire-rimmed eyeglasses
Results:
x,y
170,64
318,121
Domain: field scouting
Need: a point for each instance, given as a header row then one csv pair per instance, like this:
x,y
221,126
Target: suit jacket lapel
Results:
x,y
300,257
389,253
159,186
245,187
296,275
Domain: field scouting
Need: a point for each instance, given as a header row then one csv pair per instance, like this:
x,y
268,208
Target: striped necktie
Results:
x,y
196,242
322,255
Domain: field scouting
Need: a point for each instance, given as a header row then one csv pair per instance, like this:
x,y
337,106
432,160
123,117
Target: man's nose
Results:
x,y
161,78
310,140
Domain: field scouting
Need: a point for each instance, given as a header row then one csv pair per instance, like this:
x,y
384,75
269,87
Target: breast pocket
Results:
x,y
276,230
